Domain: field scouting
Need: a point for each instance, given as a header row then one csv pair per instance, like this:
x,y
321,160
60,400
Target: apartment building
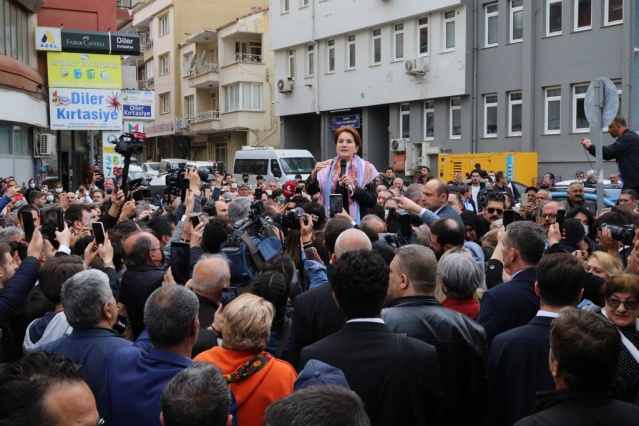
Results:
x,y
449,76
164,24
227,88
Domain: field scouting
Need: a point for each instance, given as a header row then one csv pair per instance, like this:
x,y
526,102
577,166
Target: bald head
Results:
x,y
142,248
351,239
210,275
374,223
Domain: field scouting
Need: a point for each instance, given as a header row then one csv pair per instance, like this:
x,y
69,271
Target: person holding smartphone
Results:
x,y
346,174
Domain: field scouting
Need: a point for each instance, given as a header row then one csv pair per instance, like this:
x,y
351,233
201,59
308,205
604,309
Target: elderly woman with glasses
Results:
x,y
621,293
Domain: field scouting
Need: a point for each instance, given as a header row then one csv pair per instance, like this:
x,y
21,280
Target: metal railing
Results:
x,y
148,45
247,57
206,116
205,68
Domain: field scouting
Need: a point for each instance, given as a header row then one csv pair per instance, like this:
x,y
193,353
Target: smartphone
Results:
x,y
186,184
60,220
509,217
27,225
195,219
524,200
98,232
298,190
561,215
216,193
228,295
258,193
336,204
180,261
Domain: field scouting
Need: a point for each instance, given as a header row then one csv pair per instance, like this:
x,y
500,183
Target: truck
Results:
x,y
518,166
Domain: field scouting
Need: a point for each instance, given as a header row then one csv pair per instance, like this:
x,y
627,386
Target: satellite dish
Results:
x,y
600,115
190,64
203,57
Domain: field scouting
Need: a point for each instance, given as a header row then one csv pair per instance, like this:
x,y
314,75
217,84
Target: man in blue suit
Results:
x,y
518,360
512,304
434,203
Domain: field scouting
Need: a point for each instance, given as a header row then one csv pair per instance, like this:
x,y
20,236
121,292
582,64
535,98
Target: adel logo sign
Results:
x,y
48,39
85,109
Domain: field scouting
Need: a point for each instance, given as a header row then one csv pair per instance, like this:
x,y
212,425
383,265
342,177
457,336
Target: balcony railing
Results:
x,y
148,45
247,57
205,68
206,116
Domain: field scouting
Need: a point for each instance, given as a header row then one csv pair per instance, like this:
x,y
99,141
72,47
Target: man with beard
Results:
x,y
576,198
494,210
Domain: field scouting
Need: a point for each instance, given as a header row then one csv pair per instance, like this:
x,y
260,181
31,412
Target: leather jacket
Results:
x,y
462,350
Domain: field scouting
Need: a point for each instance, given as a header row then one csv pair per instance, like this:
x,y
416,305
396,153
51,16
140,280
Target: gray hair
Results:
x,y
11,231
239,209
460,274
140,250
591,173
169,313
197,395
214,282
420,266
414,192
83,296
529,239
141,208
576,183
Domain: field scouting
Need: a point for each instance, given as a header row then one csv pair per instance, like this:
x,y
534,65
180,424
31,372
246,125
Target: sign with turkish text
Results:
x,y
85,109
346,120
111,160
48,39
160,128
138,104
91,71
98,42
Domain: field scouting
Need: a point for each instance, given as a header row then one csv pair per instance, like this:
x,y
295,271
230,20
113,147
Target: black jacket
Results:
x,y
138,282
626,151
462,350
569,407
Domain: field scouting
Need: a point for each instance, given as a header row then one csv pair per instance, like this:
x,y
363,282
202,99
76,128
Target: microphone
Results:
x,y
288,189
342,167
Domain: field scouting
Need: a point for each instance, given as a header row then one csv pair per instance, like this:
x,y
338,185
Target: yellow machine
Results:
x,y
519,166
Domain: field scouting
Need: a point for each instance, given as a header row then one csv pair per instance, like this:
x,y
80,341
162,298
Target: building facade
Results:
x,y
449,76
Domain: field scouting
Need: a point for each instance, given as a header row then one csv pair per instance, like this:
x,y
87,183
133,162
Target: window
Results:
x,y
291,63
492,18
165,103
490,116
220,153
285,6
449,31
14,38
164,64
613,12
350,52
516,20
247,51
376,46
303,3
422,36
429,120
579,121
552,111
310,60
398,42
189,106
404,121
514,114
553,17
243,96
330,56
455,118
583,15
164,24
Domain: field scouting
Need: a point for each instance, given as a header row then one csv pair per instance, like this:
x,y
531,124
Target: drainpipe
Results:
x,y
473,127
316,79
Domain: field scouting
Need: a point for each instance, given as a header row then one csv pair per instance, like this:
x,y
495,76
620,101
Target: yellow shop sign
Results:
x,y
84,70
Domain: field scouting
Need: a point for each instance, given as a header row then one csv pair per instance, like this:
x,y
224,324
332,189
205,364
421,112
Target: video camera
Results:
x,y
399,230
130,143
291,219
175,177
625,233
139,190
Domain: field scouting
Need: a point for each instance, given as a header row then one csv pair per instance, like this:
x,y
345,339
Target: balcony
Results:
x,y
204,76
147,49
146,84
246,57
206,122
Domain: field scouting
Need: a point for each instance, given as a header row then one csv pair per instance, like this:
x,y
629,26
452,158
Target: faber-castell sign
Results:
x,y
96,42
85,109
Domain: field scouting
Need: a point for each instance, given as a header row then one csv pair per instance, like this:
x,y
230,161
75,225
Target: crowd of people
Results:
x,y
431,303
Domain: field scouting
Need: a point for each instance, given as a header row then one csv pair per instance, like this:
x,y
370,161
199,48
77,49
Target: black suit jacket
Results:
x,y
138,282
387,378
315,316
509,305
517,370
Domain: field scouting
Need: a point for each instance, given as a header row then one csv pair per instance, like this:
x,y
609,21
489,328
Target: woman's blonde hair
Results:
x,y
610,264
247,323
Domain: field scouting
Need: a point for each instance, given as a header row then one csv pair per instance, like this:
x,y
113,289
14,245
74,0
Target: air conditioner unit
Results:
x,y
398,145
45,145
417,66
285,85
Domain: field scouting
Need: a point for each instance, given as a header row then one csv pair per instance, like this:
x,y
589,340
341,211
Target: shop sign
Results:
x,y
138,104
85,109
112,161
160,128
90,71
48,39
98,42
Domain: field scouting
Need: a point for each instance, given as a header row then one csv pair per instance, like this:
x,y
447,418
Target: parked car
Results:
x,y
167,165
563,195
151,169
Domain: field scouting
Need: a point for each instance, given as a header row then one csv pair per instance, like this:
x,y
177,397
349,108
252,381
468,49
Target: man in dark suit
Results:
x,y
434,201
396,376
518,360
509,305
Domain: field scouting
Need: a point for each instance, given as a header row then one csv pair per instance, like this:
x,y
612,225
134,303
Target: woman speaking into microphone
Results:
x,y
346,175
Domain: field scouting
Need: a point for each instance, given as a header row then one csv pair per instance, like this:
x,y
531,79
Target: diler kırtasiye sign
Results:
x,y
85,109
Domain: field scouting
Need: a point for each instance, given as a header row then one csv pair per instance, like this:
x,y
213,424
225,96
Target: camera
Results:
x,y
174,180
130,143
139,190
291,219
625,233
398,222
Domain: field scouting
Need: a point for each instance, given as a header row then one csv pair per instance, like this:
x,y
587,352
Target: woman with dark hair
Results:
x,y
328,177
586,218
273,287
548,181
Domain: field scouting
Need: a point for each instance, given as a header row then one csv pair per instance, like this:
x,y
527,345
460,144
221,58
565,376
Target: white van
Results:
x,y
279,164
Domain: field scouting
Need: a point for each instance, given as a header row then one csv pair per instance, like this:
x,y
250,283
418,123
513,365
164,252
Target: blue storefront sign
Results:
x,y
346,120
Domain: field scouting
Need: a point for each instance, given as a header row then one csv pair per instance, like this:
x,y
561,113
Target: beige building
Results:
x,y
163,24
227,88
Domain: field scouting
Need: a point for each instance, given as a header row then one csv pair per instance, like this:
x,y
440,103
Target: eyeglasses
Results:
x,y
549,215
159,248
630,305
492,210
